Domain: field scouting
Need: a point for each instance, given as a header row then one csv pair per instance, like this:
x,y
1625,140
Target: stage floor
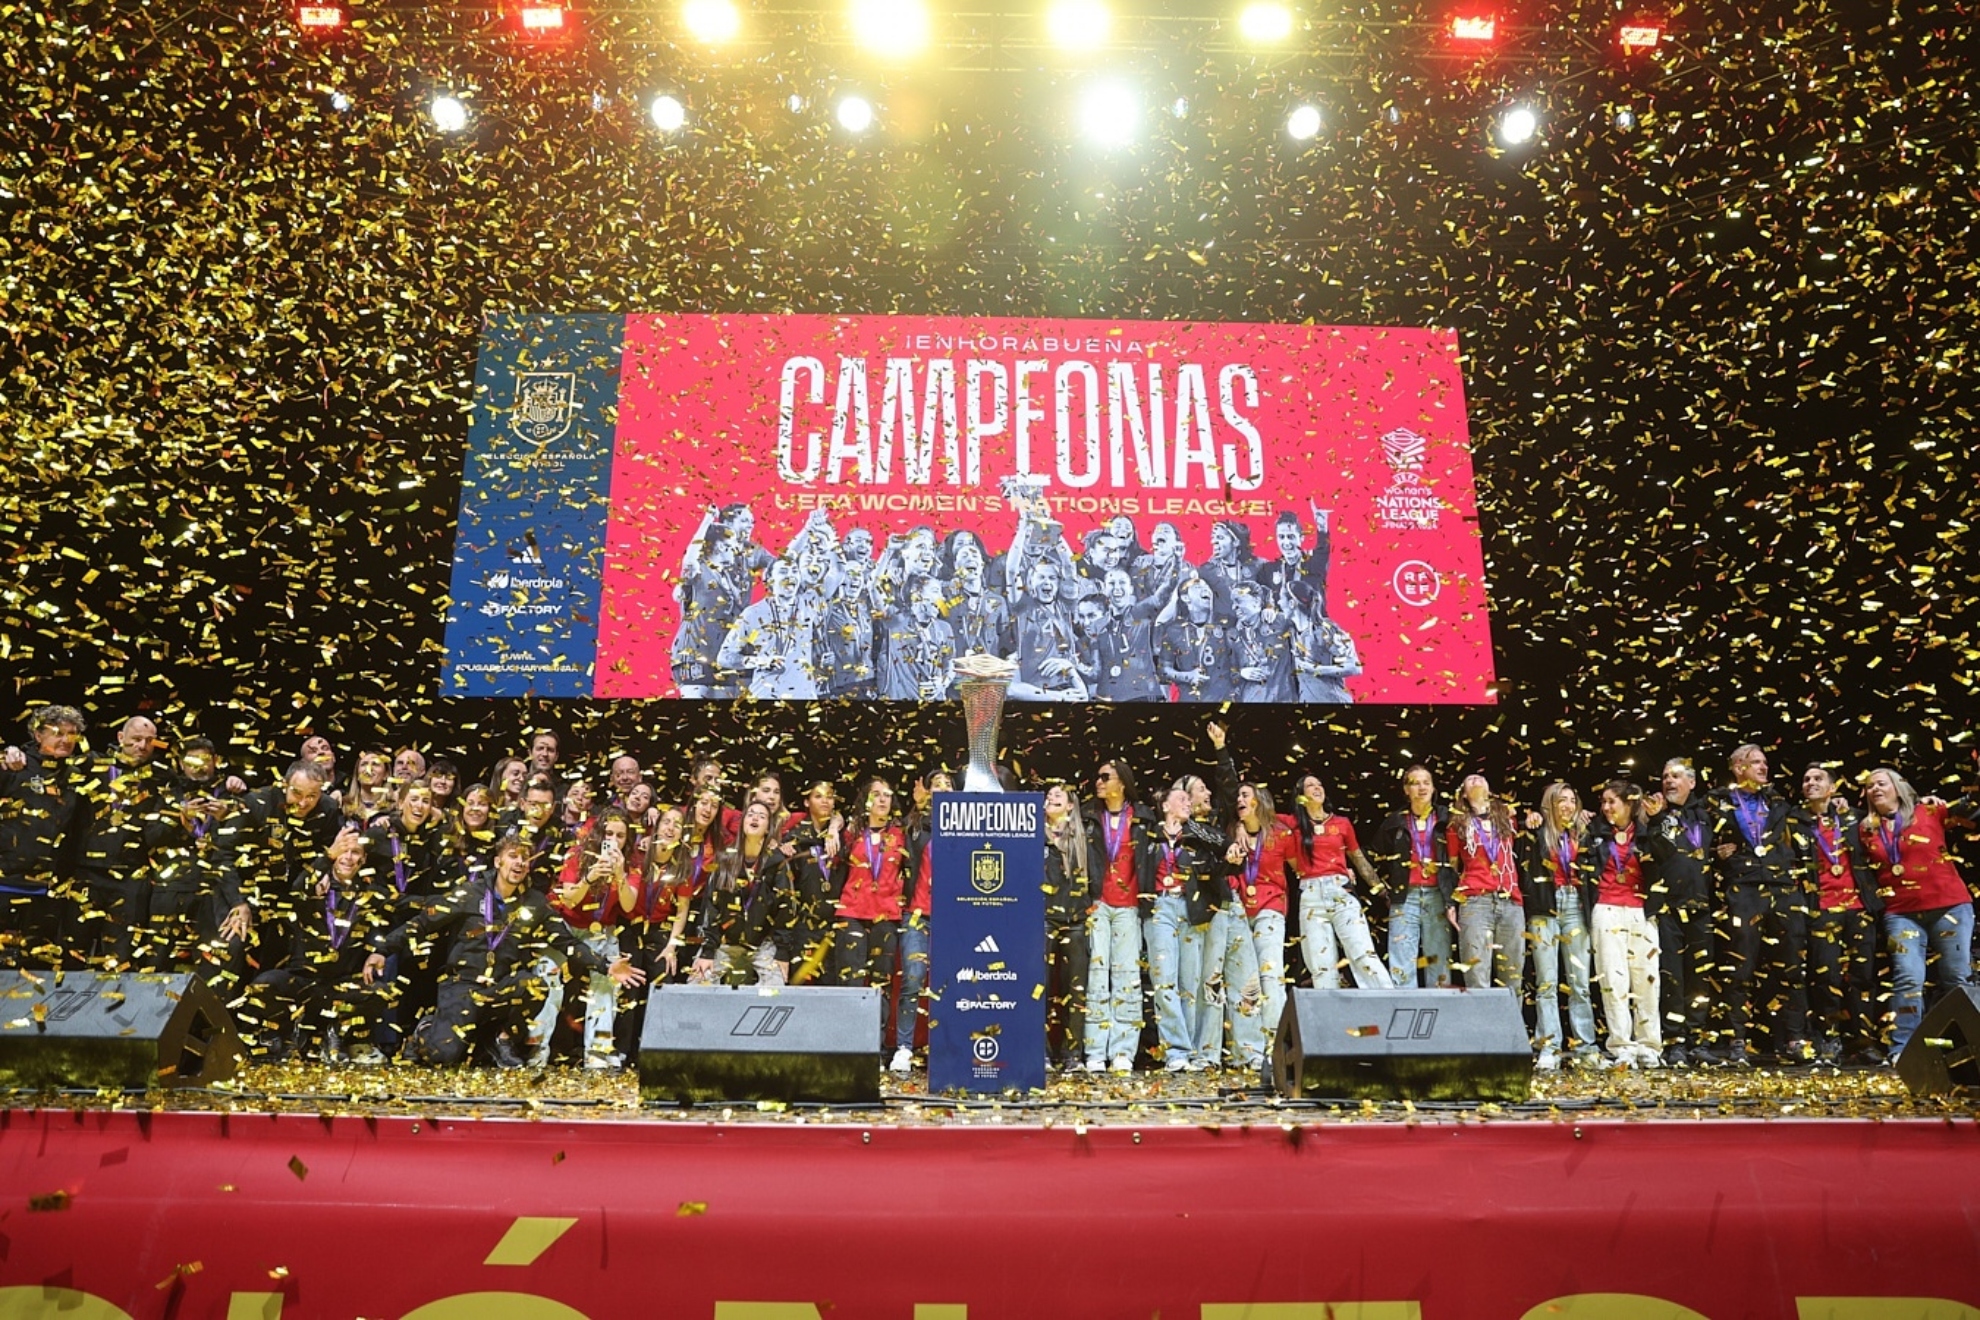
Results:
x,y
1071,1098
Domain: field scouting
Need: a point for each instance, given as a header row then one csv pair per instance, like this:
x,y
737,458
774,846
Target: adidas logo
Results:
x,y
988,945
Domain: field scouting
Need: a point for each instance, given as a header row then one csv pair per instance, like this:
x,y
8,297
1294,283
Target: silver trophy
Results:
x,y
981,681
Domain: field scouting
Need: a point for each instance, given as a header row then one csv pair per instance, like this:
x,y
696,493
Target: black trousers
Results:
x,y
1768,948
309,1001
469,1014
863,952
1842,977
39,930
182,934
1684,942
1068,952
114,912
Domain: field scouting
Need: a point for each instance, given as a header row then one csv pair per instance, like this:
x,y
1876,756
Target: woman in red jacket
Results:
x,y
1625,933
588,896
1265,849
1928,910
1491,921
1333,925
871,878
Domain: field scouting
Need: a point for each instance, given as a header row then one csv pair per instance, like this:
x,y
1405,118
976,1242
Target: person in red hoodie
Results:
x,y
1264,849
1333,925
1624,927
870,879
1491,921
1928,910
587,896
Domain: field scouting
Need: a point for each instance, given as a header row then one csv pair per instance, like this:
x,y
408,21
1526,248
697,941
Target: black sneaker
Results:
x,y
1864,1056
503,1054
1829,1049
1677,1056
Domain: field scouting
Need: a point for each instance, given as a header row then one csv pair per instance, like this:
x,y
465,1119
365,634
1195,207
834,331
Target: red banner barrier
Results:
x,y
190,1215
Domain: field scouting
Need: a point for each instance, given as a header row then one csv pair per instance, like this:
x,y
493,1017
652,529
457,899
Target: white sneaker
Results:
x,y
1623,1059
1647,1057
1123,1063
603,1062
1549,1061
1096,1065
903,1063
1177,1063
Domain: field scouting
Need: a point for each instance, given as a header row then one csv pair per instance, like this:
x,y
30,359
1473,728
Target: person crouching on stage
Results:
x,y
918,900
1414,843
1625,927
1842,931
870,878
1928,910
749,914
1072,883
587,897
1333,926
322,995
1491,922
491,989
1558,904
1120,836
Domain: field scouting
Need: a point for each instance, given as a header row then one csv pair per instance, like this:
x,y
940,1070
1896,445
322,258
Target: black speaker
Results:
x,y
1403,1045
808,1043
81,1029
1944,1053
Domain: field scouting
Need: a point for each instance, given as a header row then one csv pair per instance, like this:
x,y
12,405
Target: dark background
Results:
x,y
1725,466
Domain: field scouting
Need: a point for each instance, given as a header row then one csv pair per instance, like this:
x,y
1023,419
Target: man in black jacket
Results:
x,y
320,996
1677,841
1766,902
125,795
279,833
1846,1018
44,814
491,988
190,892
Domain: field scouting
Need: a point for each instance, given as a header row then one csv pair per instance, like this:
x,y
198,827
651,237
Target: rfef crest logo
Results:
x,y
986,870
546,404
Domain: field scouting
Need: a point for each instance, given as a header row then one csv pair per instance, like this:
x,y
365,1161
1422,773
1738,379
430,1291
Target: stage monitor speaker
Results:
x,y
82,1029
1403,1045
1944,1053
809,1043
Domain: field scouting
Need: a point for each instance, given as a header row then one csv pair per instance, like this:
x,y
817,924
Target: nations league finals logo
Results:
x,y
1408,504
546,404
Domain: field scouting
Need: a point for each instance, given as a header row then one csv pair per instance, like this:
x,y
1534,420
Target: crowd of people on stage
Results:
x,y
401,909
1112,620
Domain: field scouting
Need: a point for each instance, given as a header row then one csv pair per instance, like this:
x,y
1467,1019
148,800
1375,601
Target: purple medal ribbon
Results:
x,y
1422,838
1830,851
1694,834
1114,833
1564,852
398,863
1751,809
337,937
489,910
1893,837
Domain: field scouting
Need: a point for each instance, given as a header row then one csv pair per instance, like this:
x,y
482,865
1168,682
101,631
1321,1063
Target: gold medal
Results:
x,y
1835,868
1898,869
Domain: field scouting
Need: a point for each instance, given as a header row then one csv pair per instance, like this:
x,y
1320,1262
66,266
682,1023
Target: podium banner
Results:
x,y
986,1021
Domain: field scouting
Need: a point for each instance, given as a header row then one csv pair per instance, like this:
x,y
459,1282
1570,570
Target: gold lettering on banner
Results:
x,y
254,1306
1882,1308
529,1237
495,1306
766,1311
940,1311
1312,1311
33,1302
1611,1306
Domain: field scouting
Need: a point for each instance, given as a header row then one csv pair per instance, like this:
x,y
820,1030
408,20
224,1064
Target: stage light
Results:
x,y
1265,22
1625,118
855,114
892,28
711,21
339,102
1078,24
320,20
449,115
1640,35
1517,126
1475,29
541,20
1109,114
1180,108
668,114
1303,122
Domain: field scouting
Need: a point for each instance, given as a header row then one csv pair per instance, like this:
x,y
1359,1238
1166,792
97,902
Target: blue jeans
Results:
x,y
1268,939
1229,991
1566,931
1175,969
914,979
1333,929
1418,924
1113,984
1948,932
